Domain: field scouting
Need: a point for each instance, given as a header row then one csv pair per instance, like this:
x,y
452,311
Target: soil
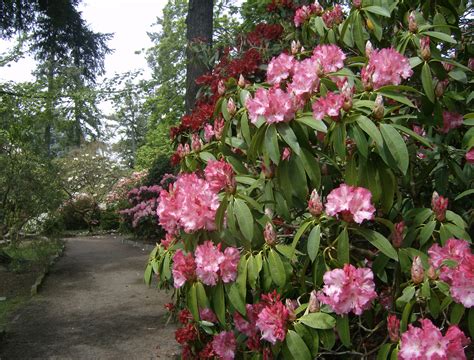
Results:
x,y
93,305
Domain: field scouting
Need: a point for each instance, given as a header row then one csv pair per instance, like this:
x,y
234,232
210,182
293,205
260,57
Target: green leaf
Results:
x,y
192,302
463,194
166,266
413,135
379,241
427,81
342,326
382,354
402,99
457,313
314,239
311,166
407,294
440,36
148,274
206,156
244,218
343,247
396,146
236,300
224,111
318,320
244,95
458,75
427,231
271,144
310,121
278,272
299,233
359,33
377,10
252,274
297,346
289,136
369,128
218,302
203,302
244,127
406,316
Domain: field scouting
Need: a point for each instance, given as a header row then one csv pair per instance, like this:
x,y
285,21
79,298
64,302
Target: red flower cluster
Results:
x,y
264,32
275,5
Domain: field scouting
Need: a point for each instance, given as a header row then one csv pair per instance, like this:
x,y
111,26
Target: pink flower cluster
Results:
x,y
275,105
385,67
190,203
330,57
249,326
428,343
124,185
280,68
145,201
351,203
220,175
470,156
333,17
348,289
211,131
272,319
460,277
330,105
451,120
208,265
303,13
224,345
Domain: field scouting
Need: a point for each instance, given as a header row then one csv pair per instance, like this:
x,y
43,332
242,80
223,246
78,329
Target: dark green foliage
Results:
x,y
160,167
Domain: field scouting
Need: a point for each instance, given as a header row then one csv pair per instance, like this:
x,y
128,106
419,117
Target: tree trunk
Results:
x,y
199,29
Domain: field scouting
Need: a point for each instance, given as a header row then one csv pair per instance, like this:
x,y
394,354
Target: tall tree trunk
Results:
x,y
199,29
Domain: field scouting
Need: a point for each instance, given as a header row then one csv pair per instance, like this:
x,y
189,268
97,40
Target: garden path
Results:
x,y
93,305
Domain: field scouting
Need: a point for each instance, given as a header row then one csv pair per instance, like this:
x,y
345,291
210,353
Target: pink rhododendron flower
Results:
x,y
275,105
228,268
386,67
439,204
249,326
333,17
183,269
272,319
451,120
208,132
224,345
305,79
330,57
397,234
207,315
304,13
350,203
348,289
190,203
315,204
470,156
219,175
461,276
280,68
286,153
330,105
393,327
427,343
208,259
417,271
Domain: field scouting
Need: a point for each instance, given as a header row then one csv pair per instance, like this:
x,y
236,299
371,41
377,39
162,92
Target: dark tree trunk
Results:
x,y
199,29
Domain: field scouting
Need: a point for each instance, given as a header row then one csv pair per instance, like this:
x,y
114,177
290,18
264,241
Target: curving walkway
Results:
x,y
93,305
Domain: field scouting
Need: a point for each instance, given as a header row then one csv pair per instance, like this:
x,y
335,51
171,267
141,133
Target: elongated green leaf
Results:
x,y
192,302
413,135
369,128
458,75
202,299
342,326
396,146
377,10
277,268
252,274
379,241
148,274
457,313
427,231
343,247
218,302
244,218
243,96
314,239
463,194
382,354
297,346
311,166
224,111
245,128
271,144
289,136
299,233
427,81
318,320
236,300
402,99
358,32
440,36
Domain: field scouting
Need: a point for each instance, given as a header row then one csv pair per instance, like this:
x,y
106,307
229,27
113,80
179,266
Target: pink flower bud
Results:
x,y
241,82
441,86
269,234
291,305
447,66
347,92
313,305
286,154
432,274
357,3
470,156
470,64
269,213
231,108
425,48
379,108
412,25
417,272
295,47
221,87
439,205
393,327
196,143
397,234
315,205
369,49
218,128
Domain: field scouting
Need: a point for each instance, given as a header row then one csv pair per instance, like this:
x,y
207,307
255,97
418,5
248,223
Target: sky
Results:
x,y
129,20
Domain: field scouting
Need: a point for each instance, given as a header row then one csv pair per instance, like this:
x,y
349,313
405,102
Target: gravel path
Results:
x,y
94,305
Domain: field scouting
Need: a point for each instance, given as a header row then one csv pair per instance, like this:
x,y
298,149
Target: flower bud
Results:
x,y
218,128
425,48
412,25
417,272
356,3
369,49
291,305
432,275
370,24
319,68
286,154
397,234
269,234
393,327
439,205
231,108
315,205
196,143
221,87
313,305
470,64
241,82
379,108
441,86
268,213
347,92
295,47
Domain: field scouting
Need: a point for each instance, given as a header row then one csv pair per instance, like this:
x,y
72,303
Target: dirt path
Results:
x,y
93,305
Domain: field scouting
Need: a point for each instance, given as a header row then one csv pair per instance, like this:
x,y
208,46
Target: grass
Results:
x,y
32,253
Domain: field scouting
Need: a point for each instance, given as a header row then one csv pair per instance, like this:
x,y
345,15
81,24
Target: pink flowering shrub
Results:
x,y
324,203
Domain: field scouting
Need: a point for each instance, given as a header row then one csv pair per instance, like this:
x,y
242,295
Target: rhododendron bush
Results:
x,y
324,203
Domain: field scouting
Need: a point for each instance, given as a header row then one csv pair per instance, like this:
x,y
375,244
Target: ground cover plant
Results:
x,y
324,203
